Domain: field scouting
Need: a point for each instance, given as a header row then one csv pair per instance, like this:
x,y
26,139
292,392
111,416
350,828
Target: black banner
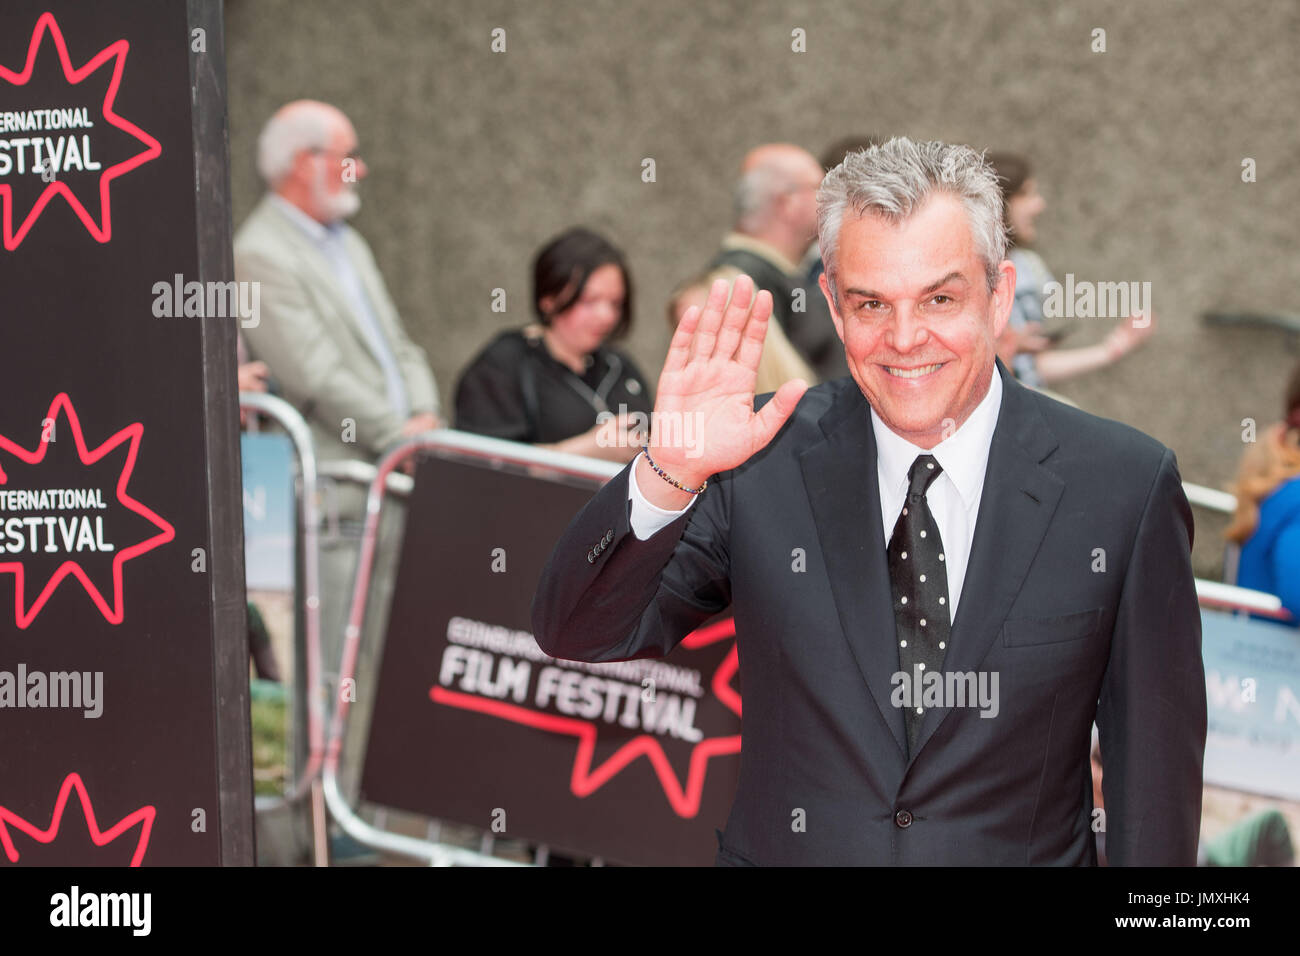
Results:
x,y
634,762
123,655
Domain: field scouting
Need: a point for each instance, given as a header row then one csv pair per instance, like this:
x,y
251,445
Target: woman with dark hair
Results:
x,y
1027,351
1267,521
555,382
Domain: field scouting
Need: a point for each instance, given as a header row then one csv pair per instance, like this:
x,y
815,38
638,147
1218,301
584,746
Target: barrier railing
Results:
x,y
1229,597
308,782
1210,498
463,445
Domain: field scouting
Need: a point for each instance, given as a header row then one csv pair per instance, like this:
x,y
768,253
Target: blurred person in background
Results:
x,y
780,362
1026,346
331,337
557,382
253,376
775,224
1267,520
1098,799
329,330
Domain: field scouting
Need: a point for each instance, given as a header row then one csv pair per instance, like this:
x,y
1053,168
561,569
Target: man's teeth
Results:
x,y
913,372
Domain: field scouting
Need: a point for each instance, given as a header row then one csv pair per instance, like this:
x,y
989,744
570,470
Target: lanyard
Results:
x,y
596,399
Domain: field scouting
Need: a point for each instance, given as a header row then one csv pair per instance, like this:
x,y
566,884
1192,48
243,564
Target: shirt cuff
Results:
x,y
647,518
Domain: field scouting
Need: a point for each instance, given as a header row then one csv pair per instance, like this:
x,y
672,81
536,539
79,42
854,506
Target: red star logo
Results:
x,y
116,52
143,816
131,434
586,780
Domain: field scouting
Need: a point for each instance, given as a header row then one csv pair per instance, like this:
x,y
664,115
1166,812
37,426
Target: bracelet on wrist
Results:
x,y
645,449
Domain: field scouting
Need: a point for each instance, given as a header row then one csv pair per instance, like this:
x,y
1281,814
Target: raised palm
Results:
x,y
705,421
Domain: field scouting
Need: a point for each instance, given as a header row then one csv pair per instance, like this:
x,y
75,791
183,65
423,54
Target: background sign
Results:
x,y
635,762
122,630
269,509
1252,680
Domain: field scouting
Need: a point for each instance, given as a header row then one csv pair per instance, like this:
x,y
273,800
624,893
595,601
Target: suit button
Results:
x,y
591,557
609,536
903,819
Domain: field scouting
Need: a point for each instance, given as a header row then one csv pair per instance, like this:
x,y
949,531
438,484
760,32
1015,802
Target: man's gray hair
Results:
x,y
287,133
895,179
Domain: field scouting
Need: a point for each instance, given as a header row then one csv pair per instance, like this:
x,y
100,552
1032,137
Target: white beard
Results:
x,y
336,206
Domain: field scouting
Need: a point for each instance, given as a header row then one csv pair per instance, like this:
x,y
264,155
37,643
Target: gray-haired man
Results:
x,y
775,222
897,544
331,335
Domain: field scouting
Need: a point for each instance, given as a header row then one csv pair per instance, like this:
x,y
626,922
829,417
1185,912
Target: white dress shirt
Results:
x,y
954,497
329,241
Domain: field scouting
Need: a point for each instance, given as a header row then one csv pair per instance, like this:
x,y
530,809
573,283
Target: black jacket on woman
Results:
x,y
516,390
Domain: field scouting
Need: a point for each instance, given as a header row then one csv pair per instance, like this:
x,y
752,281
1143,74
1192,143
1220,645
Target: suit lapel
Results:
x,y
840,477
1019,499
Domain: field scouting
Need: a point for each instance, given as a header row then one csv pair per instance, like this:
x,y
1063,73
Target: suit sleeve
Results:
x,y
628,598
1151,714
306,359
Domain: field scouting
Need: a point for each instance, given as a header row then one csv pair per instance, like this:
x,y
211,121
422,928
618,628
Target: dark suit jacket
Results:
x,y
1064,492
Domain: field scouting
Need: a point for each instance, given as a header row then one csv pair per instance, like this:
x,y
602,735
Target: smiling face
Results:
x,y
918,322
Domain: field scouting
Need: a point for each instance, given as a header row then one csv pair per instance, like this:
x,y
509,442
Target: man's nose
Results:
x,y
907,330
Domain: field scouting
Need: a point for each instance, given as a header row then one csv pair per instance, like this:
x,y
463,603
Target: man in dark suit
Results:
x,y
939,577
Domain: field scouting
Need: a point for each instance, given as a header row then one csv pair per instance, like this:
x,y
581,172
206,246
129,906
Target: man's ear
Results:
x,y
824,282
1004,294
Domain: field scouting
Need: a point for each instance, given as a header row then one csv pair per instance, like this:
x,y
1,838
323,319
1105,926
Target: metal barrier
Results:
x,y
299,433
1229,597
1210,498
464,445
1226,595
1221,502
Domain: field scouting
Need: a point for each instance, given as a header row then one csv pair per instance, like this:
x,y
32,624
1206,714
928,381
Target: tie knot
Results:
x,y
923,471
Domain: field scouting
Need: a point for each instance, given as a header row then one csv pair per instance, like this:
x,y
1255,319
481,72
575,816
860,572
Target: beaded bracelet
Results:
x,y
666,477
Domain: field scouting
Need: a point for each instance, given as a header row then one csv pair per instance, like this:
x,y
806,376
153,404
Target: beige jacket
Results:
x,y
309,335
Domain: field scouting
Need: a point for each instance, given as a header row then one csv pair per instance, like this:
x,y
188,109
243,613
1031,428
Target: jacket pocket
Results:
x,y
1033,631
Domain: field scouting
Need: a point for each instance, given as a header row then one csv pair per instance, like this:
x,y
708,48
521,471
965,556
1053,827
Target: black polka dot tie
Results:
x,y
919,577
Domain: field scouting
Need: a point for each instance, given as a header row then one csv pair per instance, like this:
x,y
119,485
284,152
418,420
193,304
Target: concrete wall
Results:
x,y
477,157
